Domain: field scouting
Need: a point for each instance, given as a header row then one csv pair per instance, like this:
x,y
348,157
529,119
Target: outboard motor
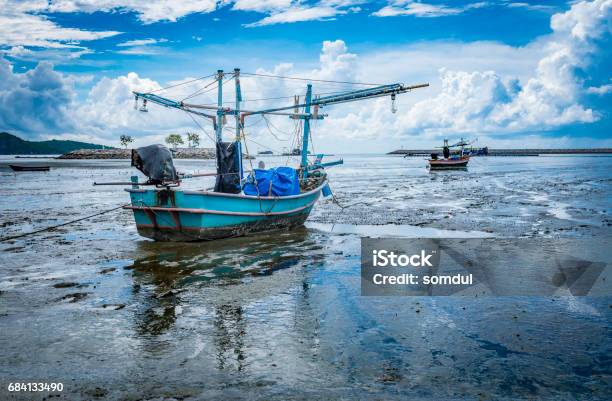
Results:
x,y
155,161
434,156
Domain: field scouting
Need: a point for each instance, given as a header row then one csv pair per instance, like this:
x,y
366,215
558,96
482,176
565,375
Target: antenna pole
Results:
x,y
304,163
238,122
219,127
238,100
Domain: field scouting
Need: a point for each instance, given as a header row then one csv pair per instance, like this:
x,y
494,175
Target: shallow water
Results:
x,y
113,315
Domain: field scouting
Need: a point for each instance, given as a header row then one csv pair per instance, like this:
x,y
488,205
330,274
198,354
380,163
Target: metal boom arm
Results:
x,y
150,97
383,90
378,91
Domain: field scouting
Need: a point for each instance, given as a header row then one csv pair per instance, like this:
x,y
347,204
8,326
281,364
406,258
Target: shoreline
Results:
x,y
510,152
179,153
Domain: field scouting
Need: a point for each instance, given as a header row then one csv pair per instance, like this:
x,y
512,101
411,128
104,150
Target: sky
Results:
x,y
501,73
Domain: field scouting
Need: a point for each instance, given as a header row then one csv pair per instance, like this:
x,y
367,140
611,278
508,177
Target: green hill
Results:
x,y
13,145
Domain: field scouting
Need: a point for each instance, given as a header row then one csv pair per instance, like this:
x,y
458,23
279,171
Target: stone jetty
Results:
x,y
179,153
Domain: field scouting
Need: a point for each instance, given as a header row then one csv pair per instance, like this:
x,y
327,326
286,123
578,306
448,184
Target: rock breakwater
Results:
x,y
180,153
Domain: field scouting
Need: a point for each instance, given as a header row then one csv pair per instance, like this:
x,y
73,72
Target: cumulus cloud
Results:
x,y
290,11
336,63
42,102
140,51
141,42
18,52
486,88
537,87
584,21
53,55
419,9
280,11
22,29
142,46
531,7
261,5
109,109
25,24
298,14
600,90
147,11
476,102
37,101
484,101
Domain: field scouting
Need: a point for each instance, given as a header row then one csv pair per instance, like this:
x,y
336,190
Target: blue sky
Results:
x,y
508,72
224,30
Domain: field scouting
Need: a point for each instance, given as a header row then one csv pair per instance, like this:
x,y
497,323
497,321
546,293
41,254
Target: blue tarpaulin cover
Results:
x,y
284,182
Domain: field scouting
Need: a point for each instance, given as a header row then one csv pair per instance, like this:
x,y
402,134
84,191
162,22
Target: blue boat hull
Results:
x,y
174,215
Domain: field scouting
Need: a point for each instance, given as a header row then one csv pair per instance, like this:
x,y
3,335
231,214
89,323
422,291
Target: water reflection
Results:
x,y
172,265
165,272
447,170
230,329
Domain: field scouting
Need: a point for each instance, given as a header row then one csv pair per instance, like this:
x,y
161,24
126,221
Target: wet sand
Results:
x,y
112,315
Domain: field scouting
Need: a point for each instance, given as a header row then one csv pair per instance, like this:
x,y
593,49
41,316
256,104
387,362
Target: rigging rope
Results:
x,y
200,91
272,98
199,125
60,225
296,136
255,123
268,124
246,148
182,83
308,79
256,143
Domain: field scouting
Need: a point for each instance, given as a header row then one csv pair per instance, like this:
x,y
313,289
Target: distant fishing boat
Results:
x,y
459,160
294,152
16,167
262,200
476,151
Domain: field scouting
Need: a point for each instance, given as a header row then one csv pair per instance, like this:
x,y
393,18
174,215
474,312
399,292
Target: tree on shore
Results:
x,y
174,140
125,140
193,139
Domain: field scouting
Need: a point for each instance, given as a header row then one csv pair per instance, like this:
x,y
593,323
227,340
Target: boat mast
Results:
x,y
238,124
306,117
219,127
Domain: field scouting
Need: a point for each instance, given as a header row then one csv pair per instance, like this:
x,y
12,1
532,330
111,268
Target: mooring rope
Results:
x,y
336,202
61,225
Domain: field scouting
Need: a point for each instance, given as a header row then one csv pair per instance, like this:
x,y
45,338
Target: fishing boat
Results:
x,y
16,167
465,148
239,204
451,159
477,151
453,162
294,152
